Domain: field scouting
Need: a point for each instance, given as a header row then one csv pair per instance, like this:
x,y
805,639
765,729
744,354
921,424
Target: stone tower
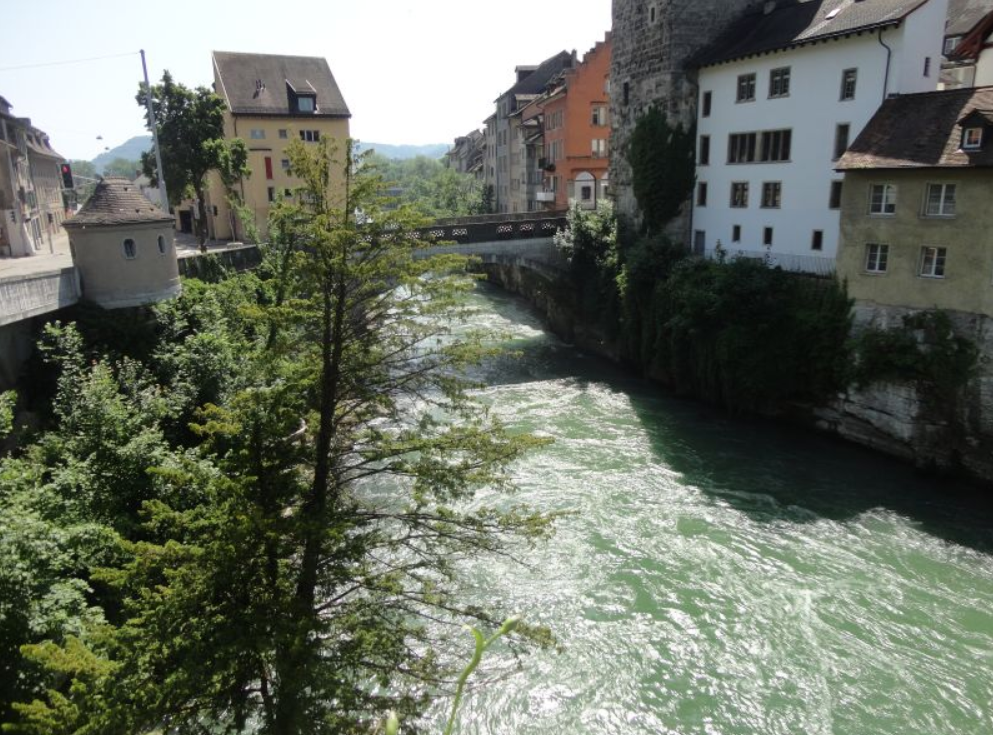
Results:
x,y
653,42
123,247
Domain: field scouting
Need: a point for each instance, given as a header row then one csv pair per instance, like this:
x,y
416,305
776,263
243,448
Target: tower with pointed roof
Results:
x,y
123,247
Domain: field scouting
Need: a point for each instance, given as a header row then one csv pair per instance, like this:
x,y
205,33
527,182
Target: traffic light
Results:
x,y
67,176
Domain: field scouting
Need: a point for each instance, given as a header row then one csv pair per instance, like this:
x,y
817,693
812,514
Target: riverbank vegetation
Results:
x,y
246,515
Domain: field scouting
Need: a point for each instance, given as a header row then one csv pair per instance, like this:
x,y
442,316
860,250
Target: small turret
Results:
x,y
123,247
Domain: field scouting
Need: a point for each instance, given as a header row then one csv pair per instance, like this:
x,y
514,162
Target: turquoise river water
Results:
x,y
718,575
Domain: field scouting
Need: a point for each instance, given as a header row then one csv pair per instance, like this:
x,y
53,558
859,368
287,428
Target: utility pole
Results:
x,y
155,136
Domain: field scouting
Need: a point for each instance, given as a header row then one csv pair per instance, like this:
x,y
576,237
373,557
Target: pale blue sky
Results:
x,y
411,71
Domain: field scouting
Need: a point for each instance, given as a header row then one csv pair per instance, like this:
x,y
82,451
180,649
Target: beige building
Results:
x,y
123,247
271,101
917,203
31,203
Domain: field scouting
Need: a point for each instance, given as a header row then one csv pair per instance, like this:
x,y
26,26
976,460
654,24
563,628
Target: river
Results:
x,y
720,575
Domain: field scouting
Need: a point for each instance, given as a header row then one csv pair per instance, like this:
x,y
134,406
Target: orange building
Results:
x,y
577,132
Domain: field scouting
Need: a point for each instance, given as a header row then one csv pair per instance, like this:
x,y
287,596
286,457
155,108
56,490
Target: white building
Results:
x,y
782,94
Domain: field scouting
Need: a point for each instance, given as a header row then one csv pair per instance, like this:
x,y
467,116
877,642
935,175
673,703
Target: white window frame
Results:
x,y
742,202
779,82
775,189
946,202
933,260
876,258
256,133
972,139
848,89
745,87
887,201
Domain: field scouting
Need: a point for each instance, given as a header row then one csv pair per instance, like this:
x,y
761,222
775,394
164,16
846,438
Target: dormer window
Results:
x,y
972,139
306,103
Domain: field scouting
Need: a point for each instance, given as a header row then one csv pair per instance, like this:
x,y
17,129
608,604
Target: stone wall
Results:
x,y
238,258
899,419
649,59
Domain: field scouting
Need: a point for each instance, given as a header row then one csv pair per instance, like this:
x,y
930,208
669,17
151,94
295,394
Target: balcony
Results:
x,y
544,196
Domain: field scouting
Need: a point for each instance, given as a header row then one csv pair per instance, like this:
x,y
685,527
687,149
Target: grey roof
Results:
x,y
964,15
922,131
240,73
534,83
798,22
116,201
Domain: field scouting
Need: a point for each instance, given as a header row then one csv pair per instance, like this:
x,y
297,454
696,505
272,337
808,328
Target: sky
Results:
x,y
412,72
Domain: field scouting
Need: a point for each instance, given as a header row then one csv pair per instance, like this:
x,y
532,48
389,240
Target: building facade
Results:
x,y
781,95
271,100
32,205
577,131
652,43
916,218
966,48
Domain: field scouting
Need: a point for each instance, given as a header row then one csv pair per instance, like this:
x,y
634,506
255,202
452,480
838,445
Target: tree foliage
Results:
x,y
191,135
662,168
257,525
429,186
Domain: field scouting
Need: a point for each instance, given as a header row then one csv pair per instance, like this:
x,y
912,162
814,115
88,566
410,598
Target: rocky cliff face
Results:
x,y
652,43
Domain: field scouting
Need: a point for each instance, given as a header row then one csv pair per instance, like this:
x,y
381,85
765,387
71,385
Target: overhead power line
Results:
x,y
68,61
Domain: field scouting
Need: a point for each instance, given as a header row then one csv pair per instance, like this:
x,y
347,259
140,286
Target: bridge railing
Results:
x,y
494,228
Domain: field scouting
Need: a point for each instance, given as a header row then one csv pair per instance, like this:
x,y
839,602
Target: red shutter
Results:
x,y
268,167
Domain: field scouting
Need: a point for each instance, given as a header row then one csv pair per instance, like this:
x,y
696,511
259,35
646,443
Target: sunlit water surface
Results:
x,y
720,575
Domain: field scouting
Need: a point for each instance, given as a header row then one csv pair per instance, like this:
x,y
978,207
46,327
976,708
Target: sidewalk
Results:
x,y
43,261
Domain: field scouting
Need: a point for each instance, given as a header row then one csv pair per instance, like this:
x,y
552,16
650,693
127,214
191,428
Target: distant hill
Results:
x,y
433,150
131,150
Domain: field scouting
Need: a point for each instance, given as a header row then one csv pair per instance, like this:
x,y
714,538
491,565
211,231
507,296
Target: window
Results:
x,y
950,43
779,82
848,78
707,96
876,257
772,192
257,134
586,193
284,133
701,194
940,200
599,115
162,244
271,192
284,163
927,66
817,240
933,262
840,140
741,147
736,233
767,236
310,136
599,147
306,103
739,194
776,145
627,93
972,138
834,199
130,249
882,199
704,158
746,88
268,167
651,14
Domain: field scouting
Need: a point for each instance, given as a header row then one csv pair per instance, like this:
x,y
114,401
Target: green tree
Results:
x,y
288,564
122,167
429,186
662,168
191,135
85,180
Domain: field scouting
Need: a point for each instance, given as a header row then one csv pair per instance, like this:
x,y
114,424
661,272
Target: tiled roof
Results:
x,y
117,201
240,75
534,83
964,15
921,131
798,22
